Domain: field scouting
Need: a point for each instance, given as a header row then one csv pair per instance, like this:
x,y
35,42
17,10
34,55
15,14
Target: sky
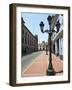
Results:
x,y
32,21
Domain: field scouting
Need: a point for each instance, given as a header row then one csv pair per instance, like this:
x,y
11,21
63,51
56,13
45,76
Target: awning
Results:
x,y
57,36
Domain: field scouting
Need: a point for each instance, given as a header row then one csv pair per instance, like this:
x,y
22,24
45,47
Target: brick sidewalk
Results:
x,y
40,64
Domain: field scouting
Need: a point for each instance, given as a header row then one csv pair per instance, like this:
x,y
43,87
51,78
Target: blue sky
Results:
x,y
32,21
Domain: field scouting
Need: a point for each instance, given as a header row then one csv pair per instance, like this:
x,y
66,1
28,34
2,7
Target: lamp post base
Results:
x,y
50,71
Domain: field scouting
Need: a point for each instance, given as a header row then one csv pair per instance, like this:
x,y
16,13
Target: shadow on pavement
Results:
x,y
59,71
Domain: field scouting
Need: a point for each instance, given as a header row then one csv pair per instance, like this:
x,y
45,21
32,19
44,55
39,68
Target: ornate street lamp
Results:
x,y
42,26
50,70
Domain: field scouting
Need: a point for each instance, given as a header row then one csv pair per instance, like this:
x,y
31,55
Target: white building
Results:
x,y
57,38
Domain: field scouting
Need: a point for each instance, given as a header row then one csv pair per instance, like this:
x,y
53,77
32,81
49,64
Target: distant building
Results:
x,y
29,41
39,47
42,46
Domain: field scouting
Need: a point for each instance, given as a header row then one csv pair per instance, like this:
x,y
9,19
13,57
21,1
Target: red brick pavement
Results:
x,y
40,64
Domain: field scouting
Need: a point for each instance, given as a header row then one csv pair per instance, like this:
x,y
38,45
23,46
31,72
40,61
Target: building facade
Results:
x,y
57,38
28,40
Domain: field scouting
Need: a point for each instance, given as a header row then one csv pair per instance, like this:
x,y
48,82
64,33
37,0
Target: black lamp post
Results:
x,y
50,70
46,49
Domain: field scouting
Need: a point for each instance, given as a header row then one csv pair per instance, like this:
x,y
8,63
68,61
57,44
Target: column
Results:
x,y
61,47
